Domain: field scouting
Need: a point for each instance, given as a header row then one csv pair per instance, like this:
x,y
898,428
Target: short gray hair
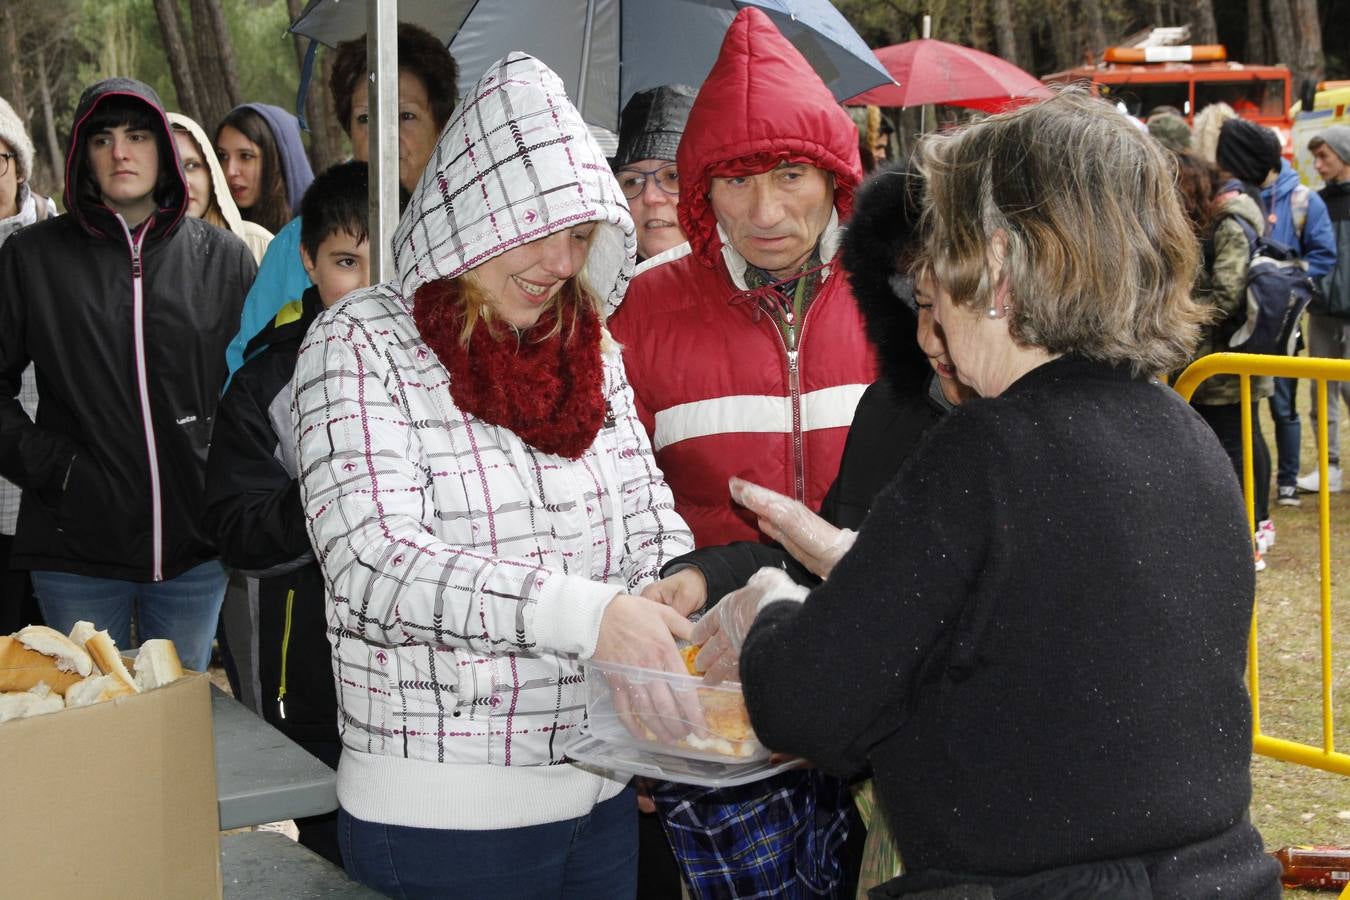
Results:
x,y
1100,256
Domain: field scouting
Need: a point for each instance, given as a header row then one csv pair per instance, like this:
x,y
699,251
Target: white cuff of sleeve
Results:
x,y
568,612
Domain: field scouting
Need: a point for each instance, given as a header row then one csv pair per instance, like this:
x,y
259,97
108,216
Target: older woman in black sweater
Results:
x,y
1051,705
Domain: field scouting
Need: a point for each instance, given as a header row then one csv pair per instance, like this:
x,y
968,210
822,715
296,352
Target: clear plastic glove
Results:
x,y
811,540
722,630
636,631
685,591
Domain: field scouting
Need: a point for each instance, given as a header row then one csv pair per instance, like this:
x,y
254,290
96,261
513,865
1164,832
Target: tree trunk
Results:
x,y
1005,32
216,82
325,132
11,75
1203,29
1256,34
1062,35
1309,62
979,25
1282,30
1096,31
49,132
171,29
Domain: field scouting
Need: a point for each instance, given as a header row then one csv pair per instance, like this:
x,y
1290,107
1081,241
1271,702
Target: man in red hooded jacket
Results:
x,y
747,356
744,347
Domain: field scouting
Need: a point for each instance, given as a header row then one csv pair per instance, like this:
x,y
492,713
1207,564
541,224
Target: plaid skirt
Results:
x,y
777,838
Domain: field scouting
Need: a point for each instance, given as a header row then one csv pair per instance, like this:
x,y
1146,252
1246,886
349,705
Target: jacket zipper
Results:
x,y
798,462
142,386
285,645
795,392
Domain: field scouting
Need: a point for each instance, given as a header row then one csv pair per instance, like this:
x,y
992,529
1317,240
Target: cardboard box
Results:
x,y
117,799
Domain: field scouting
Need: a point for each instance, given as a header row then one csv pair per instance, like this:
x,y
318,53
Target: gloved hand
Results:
x,y
722,630
811,540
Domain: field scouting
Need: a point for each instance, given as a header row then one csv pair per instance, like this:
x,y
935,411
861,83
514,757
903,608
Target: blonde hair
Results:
x,y
212,215
1099,255
1205,132
575,295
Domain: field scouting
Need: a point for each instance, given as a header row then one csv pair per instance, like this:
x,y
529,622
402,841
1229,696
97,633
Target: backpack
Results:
x,y
1279,289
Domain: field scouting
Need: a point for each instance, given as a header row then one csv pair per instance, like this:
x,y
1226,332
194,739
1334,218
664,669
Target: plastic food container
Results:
x,y
643,759
723,735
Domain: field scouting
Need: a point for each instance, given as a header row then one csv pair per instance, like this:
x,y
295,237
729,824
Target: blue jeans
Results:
x,y
184,609
593,857
1288,431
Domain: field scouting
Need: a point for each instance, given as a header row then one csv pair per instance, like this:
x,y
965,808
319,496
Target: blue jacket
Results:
x,y
281,279
1317,244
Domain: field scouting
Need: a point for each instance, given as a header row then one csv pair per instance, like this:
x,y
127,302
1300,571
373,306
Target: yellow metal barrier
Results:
x,y
1245,365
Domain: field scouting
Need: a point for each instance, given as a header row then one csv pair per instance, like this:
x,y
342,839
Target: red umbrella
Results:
x,y
931,71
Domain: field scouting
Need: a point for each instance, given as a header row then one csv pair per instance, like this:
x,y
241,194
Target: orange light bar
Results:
x,y
1189,53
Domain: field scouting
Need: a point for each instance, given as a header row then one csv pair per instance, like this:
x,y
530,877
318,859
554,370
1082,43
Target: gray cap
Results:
x,y
652,123
1170,131
1337,137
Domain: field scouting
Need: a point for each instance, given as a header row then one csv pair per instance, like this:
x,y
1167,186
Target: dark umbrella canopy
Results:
x,y
607,50
932,71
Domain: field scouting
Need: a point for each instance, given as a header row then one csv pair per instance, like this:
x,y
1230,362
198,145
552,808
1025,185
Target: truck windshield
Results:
x,y
1248,98
1141,98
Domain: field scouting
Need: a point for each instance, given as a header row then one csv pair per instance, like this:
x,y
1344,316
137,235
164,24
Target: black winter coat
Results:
x,y
127,332
254,513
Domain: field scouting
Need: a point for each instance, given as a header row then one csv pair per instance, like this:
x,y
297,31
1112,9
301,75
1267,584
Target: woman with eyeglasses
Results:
x,y
650,128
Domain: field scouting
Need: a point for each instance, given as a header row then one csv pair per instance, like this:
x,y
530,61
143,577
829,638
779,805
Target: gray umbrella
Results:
x,y
607,50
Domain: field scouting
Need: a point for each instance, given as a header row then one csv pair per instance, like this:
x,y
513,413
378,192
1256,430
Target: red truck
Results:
x,y
1189,78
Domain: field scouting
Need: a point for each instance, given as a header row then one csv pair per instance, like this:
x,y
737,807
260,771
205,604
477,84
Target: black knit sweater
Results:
x,y
1038,642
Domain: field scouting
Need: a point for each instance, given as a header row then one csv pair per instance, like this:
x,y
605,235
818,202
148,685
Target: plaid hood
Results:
x,y
514,164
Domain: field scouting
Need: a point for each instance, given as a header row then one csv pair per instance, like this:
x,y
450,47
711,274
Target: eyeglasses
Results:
x,y
4,161
634,181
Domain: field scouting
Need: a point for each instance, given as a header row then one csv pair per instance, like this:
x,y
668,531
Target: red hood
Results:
x,y
761,97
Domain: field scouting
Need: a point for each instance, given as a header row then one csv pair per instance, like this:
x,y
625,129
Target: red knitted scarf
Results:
x,y
549,393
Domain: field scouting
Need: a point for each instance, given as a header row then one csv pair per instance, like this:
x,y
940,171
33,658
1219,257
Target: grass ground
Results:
x,y
1294,804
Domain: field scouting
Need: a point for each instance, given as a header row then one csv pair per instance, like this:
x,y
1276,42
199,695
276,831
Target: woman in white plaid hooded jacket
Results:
x,y
485,507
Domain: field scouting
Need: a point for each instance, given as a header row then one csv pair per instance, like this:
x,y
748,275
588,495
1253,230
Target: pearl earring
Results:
x,y
992,312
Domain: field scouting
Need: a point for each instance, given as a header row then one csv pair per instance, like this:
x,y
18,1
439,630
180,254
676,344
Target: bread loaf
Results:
x,y
40,699
96,689
157,664
21,669
70,657
104,651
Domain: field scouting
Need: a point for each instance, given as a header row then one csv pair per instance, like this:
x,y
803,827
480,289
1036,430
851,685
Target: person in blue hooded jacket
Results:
x,y
265,165
427,91
1297,218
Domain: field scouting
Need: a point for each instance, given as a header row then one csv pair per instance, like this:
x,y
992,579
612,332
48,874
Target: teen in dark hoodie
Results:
x,y
253,505
124,305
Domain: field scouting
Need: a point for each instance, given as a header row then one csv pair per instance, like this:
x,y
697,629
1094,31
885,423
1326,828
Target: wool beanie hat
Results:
x,y
14,134
1337,137
1170,131
1248,151
652,123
